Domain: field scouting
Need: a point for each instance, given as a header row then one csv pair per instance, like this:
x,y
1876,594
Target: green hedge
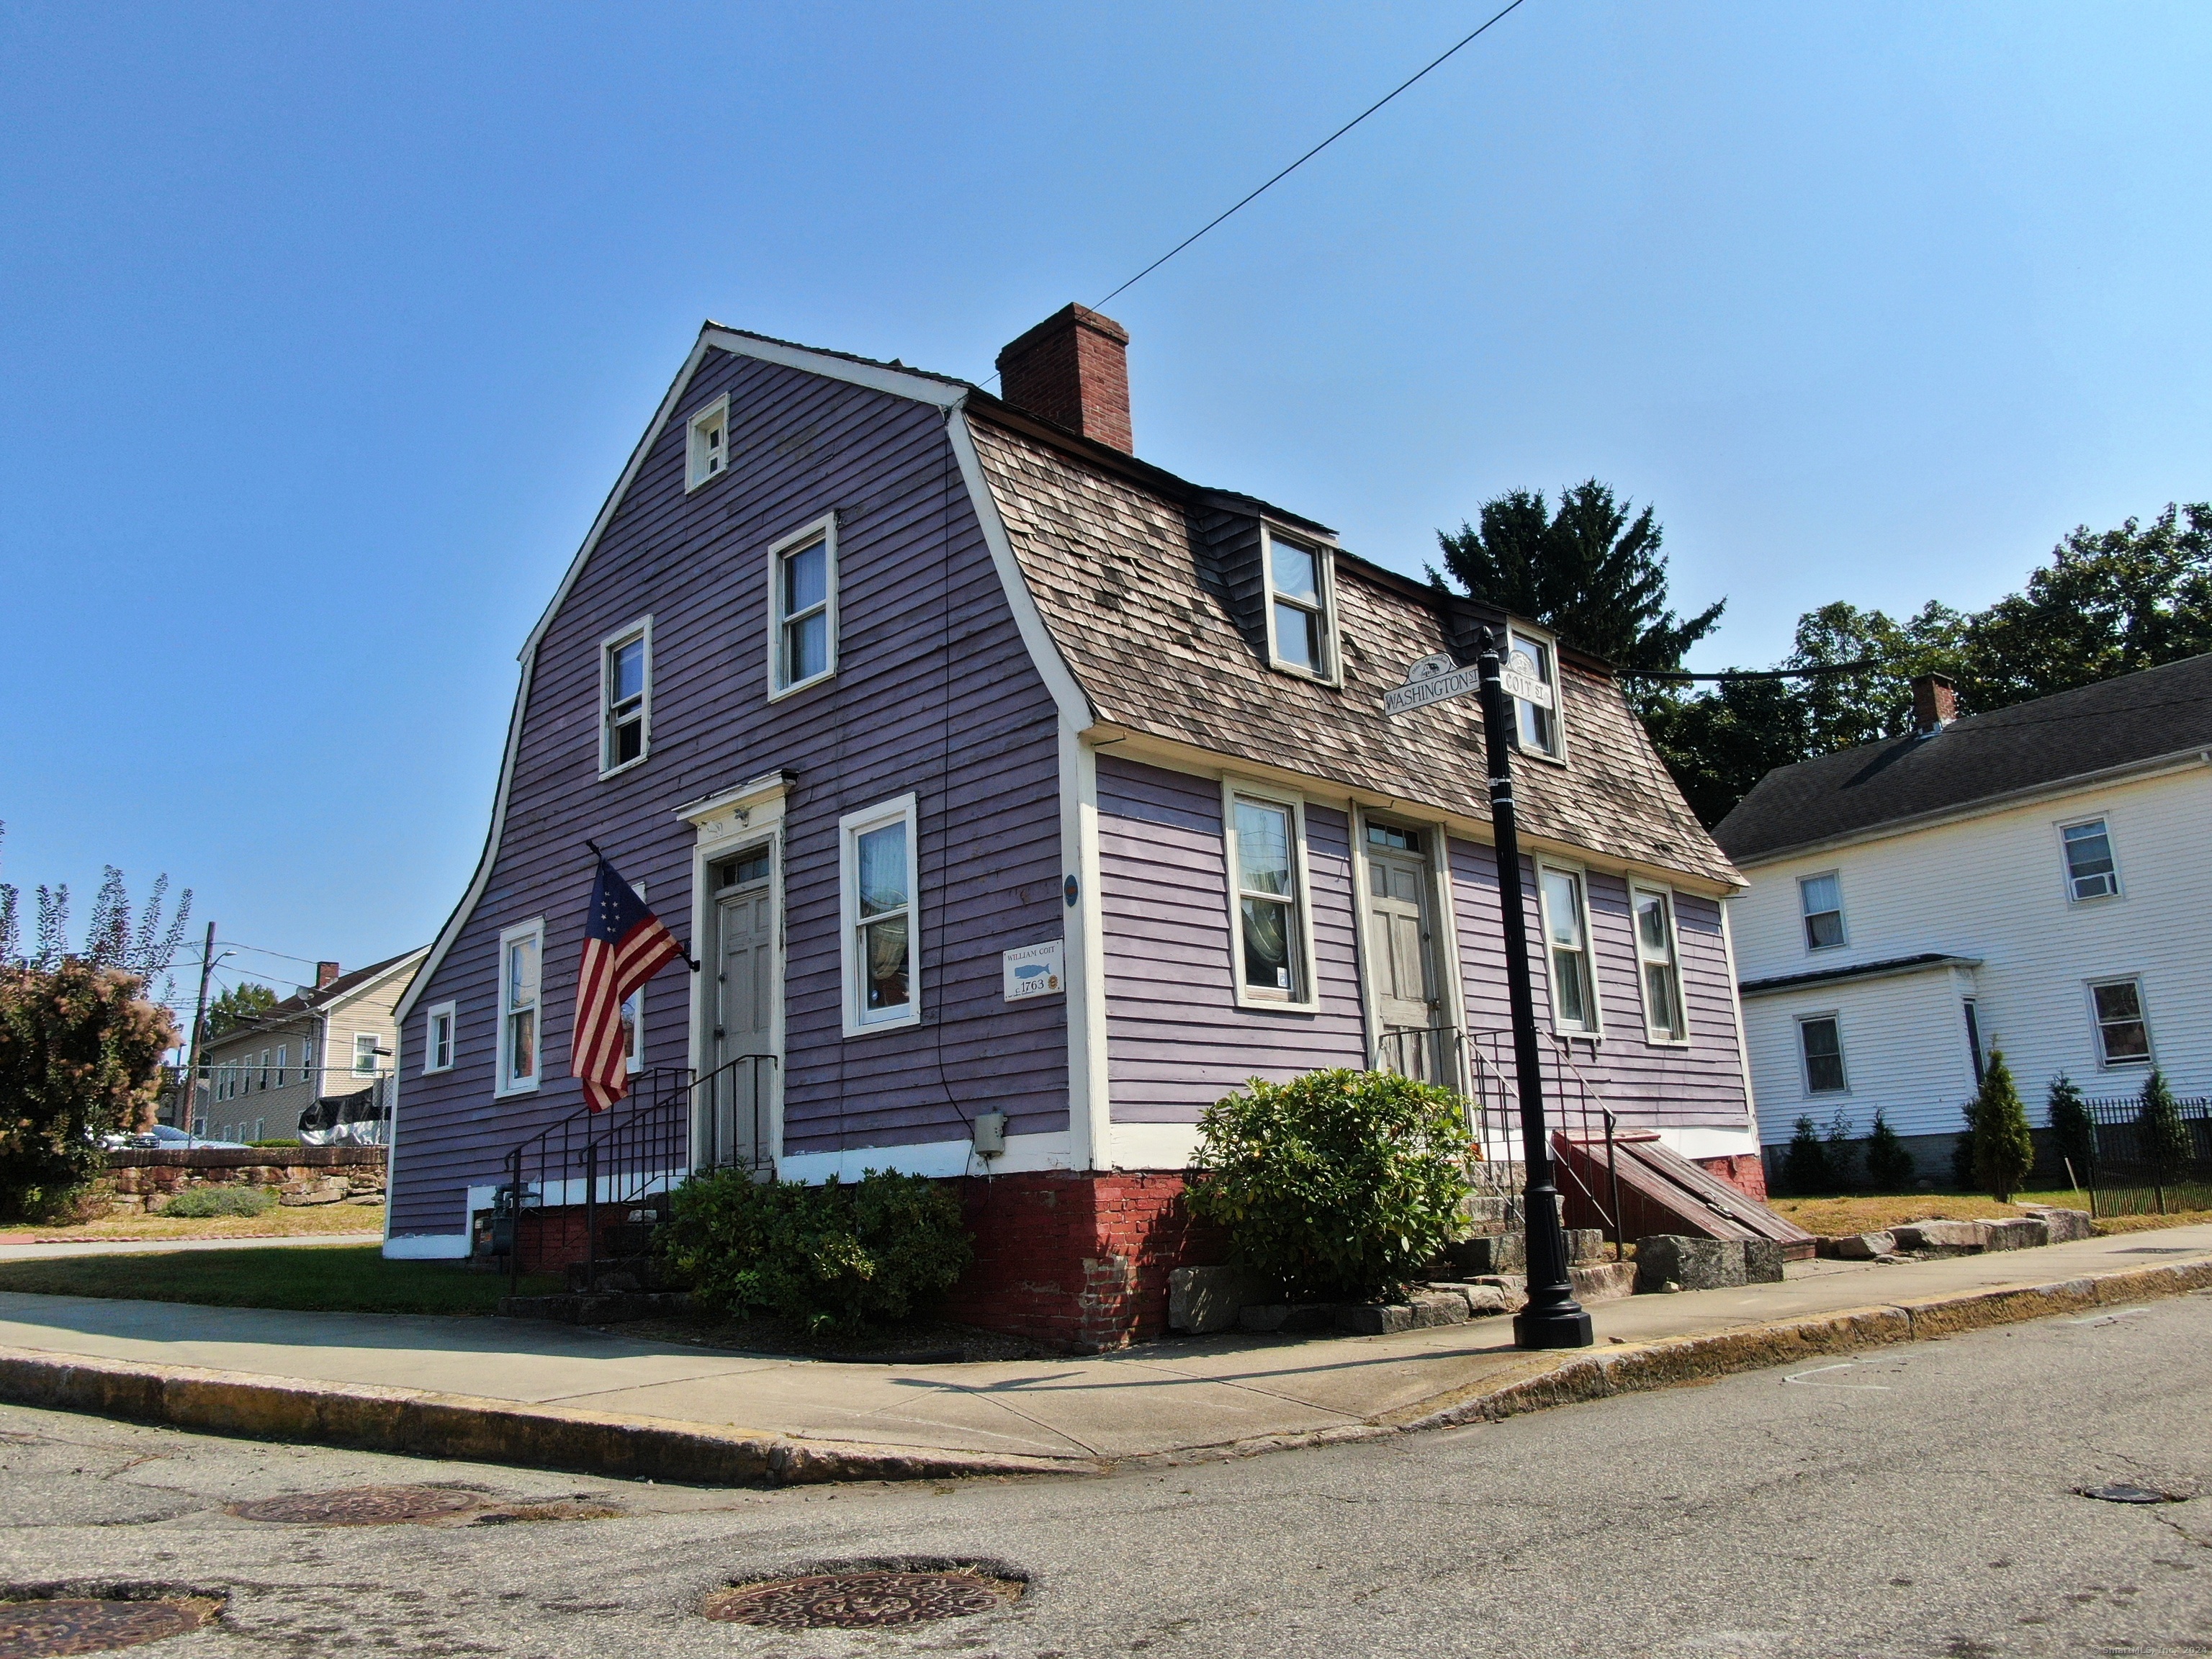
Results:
x,y
203,1203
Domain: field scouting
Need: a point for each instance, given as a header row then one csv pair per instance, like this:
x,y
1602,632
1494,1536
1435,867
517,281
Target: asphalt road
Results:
x,y
1919,1501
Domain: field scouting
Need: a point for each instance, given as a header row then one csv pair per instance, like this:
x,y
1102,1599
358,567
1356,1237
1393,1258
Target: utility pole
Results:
x,y
188,1096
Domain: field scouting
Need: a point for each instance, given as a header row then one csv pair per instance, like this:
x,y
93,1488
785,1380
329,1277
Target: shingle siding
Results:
x,y
934,693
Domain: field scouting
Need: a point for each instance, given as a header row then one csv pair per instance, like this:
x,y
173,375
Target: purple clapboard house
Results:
x,y
1017,799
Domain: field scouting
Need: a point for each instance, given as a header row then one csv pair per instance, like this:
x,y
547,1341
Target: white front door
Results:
x,y
740,1049
1401,949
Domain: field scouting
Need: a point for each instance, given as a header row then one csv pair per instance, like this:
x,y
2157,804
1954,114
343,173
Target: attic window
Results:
x,y
1301,632
710,443
1534,666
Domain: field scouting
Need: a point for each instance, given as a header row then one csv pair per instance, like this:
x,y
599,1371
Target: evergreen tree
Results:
x,y
2004,1151
1805,1166
2072,1129
1843,1151
1962,1152
2164,1137
1889,1166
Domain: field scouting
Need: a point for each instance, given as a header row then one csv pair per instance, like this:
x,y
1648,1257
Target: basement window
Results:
x,y
709,449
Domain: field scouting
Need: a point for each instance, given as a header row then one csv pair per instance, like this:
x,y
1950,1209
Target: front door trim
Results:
x,y
734,821
1444,930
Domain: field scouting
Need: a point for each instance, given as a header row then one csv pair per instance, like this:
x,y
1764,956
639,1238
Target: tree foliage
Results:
x,y
238,1006
80,1058
2071,1126
146,945
1591,570
2164,1136
1889,1165
1805,1168
2004,1151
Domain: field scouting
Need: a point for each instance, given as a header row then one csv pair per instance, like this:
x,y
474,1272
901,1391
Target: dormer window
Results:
x,y
1301,634
710,443
1534,667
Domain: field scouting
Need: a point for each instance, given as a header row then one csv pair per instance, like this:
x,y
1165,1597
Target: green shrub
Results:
x,y
204,1203
293,1141
1889,1166
1806,1167
1843,1151
2004,1151
833,1257
2164,1137
1962,1152
1341,1184
2072,1130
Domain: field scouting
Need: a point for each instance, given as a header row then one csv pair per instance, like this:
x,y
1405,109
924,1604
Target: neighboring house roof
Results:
x,y
322,999
2117,725
1888,968
1139,605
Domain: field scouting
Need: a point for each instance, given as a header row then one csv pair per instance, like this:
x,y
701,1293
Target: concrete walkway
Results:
x,y
63,1248
1171,1397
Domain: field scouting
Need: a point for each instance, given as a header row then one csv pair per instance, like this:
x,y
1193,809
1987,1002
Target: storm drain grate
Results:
x,y
863,1601
40,1629
360,1506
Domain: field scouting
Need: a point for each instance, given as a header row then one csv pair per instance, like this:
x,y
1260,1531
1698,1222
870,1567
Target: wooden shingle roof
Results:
x,y
1126,567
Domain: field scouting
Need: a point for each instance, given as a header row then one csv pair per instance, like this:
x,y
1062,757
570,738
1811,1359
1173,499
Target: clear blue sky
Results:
x,y
327,328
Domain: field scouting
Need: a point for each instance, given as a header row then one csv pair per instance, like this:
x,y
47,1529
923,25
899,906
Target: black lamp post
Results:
x,y
1553,1319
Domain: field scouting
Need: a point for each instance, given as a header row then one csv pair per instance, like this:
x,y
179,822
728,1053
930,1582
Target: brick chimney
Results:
x,y
1072,369
324,973
1935,704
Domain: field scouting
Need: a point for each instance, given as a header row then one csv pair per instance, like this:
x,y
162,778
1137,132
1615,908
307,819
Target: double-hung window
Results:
x,y
1566,937
1658,954
708,452
877,897
802,573
364,1054
283,1063
2123,1031
1821,899
1268,899
2090,872
438,1039
1533,665
625,696
521,968
1821,1039
1299,634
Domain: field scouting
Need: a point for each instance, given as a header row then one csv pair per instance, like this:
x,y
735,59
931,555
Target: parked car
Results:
x,y
161,1137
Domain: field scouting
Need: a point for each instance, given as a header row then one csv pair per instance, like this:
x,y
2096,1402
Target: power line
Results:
x,y
1308,156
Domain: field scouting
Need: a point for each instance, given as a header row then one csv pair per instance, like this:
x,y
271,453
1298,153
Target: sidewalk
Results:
x,y
562,1396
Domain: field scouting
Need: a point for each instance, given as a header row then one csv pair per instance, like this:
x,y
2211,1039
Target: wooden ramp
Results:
x,y
1663,1192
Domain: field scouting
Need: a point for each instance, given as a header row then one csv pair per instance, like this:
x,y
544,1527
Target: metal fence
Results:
x,y
2132,1160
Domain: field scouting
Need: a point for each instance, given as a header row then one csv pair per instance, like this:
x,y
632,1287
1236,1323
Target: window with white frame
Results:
x,y
1658,954
1820,1040
1821,899
709,450
1299,635
2122,1030
1535,663
625,696
802,646
1268,898
522,967
364,1054
2091,872
438,1039
1566,937
881,879
265,1069
283,1063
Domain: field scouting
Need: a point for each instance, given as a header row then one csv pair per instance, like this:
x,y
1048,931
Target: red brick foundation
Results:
x,y
1078,1262
1745,1171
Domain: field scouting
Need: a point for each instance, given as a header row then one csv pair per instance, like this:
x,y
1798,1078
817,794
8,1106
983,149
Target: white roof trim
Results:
x,y
766,787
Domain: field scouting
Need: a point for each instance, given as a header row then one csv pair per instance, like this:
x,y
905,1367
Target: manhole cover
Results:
x,y
862,1600
360,1506
2120,1492
35,1630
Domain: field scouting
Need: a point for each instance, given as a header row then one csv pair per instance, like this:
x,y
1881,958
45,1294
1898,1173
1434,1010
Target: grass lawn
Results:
x,y
1865,1215
333,1278
294,1221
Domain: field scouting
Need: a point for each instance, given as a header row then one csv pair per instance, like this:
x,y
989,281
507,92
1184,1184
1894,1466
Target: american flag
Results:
x,y
624,945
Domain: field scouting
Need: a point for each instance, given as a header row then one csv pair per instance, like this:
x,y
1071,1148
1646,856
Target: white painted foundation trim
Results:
x,y
1023,1154
1151,1147
427,1247
1711,1143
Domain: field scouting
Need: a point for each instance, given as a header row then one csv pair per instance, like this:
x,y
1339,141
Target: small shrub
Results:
x,y
293,1142
833,1257
1962,1152
2164,1137
2004,1151
1889,1166
2071,1127
1339,1184
205,1203
1805,1166
1843,1151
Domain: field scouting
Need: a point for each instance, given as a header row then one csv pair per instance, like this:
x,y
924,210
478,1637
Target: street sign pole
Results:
x,y
1553,1318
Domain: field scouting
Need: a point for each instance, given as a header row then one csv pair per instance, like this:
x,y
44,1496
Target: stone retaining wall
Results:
x,y
143,1181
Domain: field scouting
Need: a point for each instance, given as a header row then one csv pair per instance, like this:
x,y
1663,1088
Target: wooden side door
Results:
x,y
1401,939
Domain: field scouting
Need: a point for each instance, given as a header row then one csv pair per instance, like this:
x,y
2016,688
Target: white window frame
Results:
x,y
697,452
1550,641
1595,1031
369,1037
823,530
1842,913
504,1083
2149,1059
639,631
449,1013
1652,1033
1330,672
1835,1018
283,1062
850,828
2104,822
1305,995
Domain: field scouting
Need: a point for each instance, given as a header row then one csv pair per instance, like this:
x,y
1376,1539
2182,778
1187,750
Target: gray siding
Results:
x,y
934,693
1177,1041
